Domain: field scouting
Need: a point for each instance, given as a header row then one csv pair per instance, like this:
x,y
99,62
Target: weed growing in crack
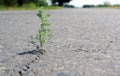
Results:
x,y
44,32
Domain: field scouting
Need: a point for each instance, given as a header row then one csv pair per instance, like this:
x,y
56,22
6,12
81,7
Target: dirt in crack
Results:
x,y
21,70
26,67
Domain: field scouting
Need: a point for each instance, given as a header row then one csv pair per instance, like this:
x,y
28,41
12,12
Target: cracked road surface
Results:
x,y
85,42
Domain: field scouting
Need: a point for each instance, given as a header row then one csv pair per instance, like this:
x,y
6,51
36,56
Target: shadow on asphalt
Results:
x,y
34,52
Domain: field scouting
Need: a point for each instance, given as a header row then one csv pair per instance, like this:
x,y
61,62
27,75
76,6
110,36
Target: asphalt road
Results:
x,y
85,42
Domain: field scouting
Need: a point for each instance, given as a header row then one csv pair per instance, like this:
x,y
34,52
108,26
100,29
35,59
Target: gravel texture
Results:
x,y
85,42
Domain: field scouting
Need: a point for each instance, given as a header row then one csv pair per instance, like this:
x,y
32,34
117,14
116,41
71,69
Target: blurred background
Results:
x,y
55,4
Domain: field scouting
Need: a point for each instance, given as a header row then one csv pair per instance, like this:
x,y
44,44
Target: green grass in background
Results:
x,y
29,6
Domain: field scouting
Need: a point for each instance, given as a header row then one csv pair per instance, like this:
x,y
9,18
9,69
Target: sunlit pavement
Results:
x,y
85,42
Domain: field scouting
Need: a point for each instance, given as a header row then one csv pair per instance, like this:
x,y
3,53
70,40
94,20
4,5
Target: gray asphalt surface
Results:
x,y
85,42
